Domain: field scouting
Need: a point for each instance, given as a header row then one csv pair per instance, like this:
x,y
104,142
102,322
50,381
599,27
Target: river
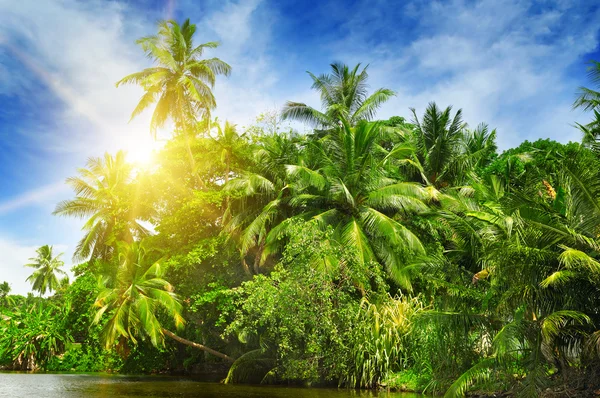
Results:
x,y
96,386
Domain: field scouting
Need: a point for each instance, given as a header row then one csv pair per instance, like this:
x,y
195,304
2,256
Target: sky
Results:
x,y
513,64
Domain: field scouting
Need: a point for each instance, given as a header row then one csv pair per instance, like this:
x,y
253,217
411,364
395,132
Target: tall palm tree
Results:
x,y
47,266
349,187
479,146
181,84
344,96
132,305
106,196
591,132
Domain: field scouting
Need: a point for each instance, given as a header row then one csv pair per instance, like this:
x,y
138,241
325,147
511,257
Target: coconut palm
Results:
x,y
263,198
181,84
479,146
437,138
133,304
344,96
4,291
45,277
591,132
230,142
348,187
106,196
588,98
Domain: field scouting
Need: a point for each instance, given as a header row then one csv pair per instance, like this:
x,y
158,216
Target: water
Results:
x,y
96,386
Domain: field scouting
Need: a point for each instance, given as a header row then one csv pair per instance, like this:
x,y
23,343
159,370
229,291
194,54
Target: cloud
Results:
x,y
493,58
233,23
244,30
80,61
43,195
78,50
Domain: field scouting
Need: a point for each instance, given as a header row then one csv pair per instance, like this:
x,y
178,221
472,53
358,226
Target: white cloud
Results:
x,y
244,30
43,195
79,50
486,57
82,59
233,23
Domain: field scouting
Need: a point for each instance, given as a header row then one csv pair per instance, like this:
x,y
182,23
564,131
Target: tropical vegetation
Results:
x,y
365,253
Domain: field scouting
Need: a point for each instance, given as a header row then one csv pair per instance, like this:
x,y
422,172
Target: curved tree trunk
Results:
x,y
258,258
196,345
246,267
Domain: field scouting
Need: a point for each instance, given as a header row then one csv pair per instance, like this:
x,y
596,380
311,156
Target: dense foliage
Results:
x,y
364,253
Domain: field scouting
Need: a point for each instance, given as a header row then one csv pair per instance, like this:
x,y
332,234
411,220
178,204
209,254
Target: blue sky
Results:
x,y
513,64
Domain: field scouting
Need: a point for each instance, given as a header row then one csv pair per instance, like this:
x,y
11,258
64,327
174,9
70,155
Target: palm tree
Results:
x,y
344,96
591,132
588,98
348,187
263,198
5,299
230,142
181,84
479,146
437,139
105,193
133,304
47,266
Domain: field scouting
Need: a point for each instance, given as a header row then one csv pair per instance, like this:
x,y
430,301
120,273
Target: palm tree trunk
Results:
x,y
258,257
246,267
196,345
185,129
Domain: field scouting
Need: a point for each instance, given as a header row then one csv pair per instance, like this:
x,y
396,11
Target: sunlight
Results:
x,y
142,151
141,155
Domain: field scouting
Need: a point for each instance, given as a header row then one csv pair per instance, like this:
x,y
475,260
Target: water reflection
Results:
x,y
92,386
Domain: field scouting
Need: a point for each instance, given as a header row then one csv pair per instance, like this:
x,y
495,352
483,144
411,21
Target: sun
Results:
x,y
142,153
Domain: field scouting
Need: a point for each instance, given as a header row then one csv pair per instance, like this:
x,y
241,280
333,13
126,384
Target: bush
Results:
x,y
302,318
